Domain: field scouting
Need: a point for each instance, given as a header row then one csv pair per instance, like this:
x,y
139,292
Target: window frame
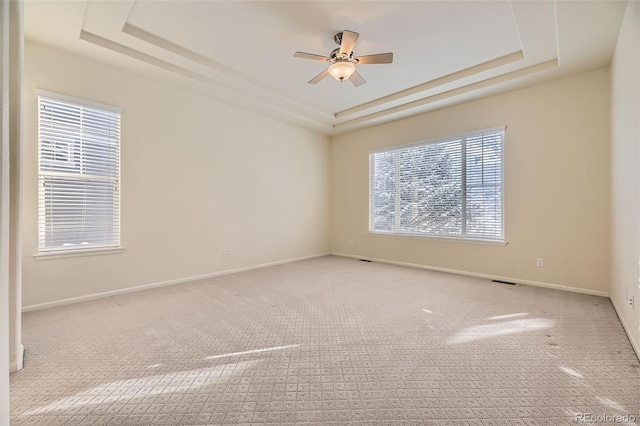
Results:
x,y
463,239
91,250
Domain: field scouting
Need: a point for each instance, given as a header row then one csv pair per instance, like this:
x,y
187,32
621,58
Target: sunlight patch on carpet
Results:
x,y
140,387
253,351
485,331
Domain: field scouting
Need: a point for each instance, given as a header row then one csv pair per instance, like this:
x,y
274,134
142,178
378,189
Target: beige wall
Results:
x,y
197,177
556,185
625,164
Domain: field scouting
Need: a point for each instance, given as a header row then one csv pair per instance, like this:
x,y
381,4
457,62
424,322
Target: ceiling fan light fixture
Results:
x,y
342,70
343,62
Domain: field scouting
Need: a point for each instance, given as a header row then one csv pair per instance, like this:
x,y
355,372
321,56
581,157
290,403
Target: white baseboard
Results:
x,y
627,329
18,364
162,284
478,275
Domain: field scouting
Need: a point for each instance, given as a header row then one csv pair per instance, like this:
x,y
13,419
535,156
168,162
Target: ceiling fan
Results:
x,y
343,63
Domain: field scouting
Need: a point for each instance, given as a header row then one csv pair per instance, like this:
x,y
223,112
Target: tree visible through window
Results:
x,y
450,189
78,175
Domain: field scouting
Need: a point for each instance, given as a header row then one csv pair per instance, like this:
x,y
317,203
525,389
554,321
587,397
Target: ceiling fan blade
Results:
x,y
357,79
318,78
305,55
348,41
380,58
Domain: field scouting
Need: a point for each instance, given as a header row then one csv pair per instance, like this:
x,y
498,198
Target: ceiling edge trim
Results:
x,y
458,75
515,22
151,60
176,49
557,29
148,37
543,66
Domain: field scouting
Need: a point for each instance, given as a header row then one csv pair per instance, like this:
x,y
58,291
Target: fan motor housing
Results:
x,y
335,55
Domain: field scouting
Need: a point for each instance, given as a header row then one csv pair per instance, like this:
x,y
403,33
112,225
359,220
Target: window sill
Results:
x,y
62,254
449,239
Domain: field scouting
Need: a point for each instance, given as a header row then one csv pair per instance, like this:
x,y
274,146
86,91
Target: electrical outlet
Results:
x,y
632,302
230,251
225,253
540,262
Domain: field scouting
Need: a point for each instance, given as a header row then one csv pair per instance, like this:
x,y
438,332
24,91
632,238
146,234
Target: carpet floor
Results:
x,y
329,341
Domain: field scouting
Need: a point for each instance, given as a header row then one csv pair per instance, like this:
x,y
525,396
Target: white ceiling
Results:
x,y
241,52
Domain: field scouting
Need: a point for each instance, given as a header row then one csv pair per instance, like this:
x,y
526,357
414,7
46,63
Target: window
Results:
x,y
78,174
450,188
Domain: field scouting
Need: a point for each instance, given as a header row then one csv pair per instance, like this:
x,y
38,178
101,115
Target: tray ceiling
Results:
x,y
241,52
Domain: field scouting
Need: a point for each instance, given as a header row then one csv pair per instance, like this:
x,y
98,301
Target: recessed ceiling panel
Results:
x,y
258,39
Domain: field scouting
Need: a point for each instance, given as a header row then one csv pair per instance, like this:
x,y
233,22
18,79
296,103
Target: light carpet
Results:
x,y
329,341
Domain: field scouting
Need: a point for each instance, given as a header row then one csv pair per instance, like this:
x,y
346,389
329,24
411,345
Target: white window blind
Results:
x,y
451,188
78,175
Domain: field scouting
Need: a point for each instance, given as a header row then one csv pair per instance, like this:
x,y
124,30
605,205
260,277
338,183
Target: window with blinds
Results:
x,y
450,188
78,174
